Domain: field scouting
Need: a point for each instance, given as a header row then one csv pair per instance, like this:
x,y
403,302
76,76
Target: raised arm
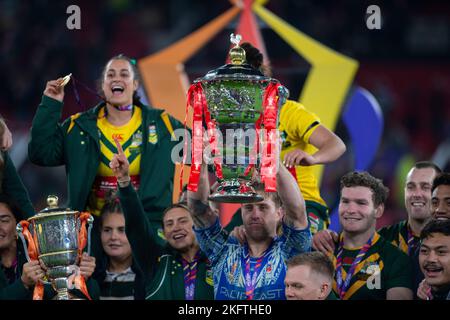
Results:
x,y
137,227
293,202
202,214
330,147
46,146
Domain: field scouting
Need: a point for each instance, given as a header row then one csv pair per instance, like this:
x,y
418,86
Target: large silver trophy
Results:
x,y
55,236
239,108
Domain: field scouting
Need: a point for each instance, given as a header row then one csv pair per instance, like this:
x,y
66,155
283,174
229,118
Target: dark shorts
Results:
x,y
318,216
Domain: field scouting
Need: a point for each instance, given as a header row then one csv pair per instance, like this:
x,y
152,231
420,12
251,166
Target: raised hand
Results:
x,y
324,241
424,291
239,233
54,89
119,164
5,136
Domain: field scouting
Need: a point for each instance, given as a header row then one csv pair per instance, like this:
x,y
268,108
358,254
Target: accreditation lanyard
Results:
x,y
411,244
11,273
343,285
190,274
77,96
250,276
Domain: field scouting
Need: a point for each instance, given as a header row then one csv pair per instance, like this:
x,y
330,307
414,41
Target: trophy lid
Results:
x,y
238,69
53,209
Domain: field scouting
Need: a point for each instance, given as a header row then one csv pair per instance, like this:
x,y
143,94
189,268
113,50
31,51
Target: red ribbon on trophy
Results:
x,y
270,154
196,98
195,94
80,282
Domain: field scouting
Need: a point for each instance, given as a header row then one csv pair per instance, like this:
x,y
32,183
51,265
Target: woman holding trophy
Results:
x,y
18,277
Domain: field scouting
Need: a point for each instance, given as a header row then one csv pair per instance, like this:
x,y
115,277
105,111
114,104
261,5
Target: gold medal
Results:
x,y
65,80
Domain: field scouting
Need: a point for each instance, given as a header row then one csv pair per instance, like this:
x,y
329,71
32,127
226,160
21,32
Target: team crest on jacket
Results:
x,y
136,141
152,136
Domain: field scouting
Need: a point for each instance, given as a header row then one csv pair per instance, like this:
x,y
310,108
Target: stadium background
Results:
x,y
405,65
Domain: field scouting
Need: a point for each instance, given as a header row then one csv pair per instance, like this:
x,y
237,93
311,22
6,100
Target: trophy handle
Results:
x,y
90,221
19,230
283,94
45,282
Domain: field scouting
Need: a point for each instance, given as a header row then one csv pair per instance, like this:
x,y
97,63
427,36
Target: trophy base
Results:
x,y
66,296
234,191
61,285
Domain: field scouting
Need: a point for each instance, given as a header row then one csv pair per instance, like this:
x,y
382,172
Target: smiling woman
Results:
x,y
85,143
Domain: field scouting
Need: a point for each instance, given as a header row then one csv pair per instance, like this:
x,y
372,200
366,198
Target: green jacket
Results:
x,y
161,265
11,185
75,144
16,290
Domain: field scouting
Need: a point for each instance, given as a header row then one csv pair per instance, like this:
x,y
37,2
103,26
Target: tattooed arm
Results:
x,y
292,198
202,214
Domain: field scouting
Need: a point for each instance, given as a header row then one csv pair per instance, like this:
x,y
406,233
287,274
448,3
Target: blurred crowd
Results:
x,y
404,65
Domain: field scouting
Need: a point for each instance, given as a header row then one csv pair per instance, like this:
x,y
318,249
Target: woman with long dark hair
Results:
x,y
84,143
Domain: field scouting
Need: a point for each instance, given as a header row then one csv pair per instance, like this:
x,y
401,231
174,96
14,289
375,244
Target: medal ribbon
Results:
x,y
343,285
411,244
190,274
77,96
249,276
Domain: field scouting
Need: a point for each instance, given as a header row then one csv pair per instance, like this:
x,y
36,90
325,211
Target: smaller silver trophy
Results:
x,y
58,237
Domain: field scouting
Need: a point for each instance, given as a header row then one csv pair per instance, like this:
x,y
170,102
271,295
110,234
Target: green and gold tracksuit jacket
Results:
x,y
75,144
407,242
161,265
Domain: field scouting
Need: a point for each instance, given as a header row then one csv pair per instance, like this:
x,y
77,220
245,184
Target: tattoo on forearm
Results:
x,y
199,210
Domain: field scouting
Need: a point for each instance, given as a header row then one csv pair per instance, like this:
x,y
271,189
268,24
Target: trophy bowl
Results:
x,y
55,232
234,96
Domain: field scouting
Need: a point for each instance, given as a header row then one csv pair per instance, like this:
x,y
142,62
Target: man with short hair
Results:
x,y
434,258
404,234
418,184
309,276
367,266
254,270
440,199
418,205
